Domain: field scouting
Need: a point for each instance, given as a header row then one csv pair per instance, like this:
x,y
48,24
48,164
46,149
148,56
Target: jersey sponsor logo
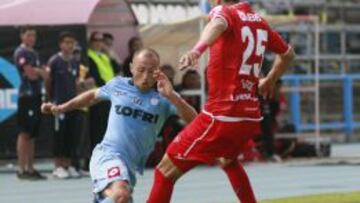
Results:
x,y
250,17
154,101
137,100
113,172
22,61
119,93
136,114
244,97
247,84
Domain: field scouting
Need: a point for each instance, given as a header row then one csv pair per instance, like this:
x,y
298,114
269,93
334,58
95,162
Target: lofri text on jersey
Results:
x,y
136,114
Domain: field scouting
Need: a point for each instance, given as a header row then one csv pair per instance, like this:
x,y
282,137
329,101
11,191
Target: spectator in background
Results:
x,y
169,71
77,54
271,108
191,81
61,86
101,70
82,155
29,103
134,44
109,50
85,81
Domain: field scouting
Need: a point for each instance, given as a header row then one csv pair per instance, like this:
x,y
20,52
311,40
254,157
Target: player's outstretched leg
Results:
x,y
117,192
165,176
239,181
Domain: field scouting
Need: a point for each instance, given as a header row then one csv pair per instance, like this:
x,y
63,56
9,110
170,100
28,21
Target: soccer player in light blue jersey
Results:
x,y
137,114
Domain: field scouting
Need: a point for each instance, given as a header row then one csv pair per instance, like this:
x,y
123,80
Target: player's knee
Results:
x,y
169,169
124,197
119,191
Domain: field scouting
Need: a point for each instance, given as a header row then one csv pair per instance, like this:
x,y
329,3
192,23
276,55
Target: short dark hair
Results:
x,y
132,41
26,28
64,35
93,36
107,35
187,74
167,66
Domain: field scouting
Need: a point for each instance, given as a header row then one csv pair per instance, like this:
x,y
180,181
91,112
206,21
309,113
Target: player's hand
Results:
x,y
57,109
83,71
43,72
164,85
266,87
46,108
188,60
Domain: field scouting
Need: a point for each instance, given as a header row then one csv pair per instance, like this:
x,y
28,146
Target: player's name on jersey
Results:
x,y
251,17
136,114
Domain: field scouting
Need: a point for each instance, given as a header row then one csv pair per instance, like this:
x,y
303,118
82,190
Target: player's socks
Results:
x,y
240,182
161,190
107,200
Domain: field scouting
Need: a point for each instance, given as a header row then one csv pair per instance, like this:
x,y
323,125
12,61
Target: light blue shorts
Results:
x,y
107,167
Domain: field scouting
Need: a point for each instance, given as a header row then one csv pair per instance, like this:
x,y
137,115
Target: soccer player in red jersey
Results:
x,y
238,38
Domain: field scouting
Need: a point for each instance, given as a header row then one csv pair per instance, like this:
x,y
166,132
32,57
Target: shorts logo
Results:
x,y
113,172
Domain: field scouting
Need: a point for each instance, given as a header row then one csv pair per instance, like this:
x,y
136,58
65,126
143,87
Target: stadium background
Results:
x,y
176,23
159,22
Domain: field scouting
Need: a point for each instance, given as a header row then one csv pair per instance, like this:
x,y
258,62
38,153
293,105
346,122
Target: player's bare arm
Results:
x,y
34,73
85,99
185,111
29,72
47,83
211,32
281,64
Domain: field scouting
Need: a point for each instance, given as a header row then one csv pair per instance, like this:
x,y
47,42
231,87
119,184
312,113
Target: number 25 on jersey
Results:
x,y
253,43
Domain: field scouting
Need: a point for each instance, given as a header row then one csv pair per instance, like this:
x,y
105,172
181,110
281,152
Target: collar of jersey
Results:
x,y
131,82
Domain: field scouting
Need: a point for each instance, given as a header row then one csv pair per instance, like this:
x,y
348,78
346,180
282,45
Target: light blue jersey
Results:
x,y
135,120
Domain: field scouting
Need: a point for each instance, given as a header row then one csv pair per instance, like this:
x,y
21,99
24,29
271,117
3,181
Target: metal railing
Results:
x,y
348,123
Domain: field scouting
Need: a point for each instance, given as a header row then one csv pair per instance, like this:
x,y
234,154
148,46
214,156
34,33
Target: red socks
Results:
x,y
240,182
163,187
161,190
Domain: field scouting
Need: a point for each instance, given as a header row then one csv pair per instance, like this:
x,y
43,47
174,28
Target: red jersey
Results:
x,y
235,61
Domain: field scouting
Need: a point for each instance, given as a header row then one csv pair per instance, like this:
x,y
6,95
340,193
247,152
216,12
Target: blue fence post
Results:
x,y
295,104
348,105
